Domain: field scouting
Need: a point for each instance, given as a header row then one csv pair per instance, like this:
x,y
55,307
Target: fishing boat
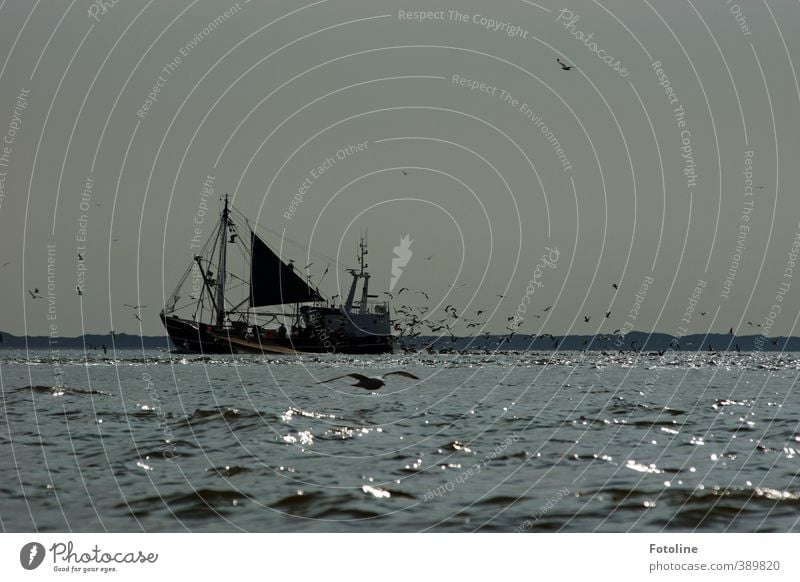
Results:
x,y
268,306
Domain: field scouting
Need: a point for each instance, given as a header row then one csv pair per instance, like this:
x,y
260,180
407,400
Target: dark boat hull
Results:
x,y
189,337
195,338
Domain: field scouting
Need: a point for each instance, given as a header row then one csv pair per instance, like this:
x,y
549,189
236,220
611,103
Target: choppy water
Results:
x,y
487,442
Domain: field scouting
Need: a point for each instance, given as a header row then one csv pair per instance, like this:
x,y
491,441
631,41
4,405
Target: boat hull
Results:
x,y
194,338
190,337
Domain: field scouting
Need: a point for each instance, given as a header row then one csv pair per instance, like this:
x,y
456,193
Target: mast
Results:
x,y
362,252
221,267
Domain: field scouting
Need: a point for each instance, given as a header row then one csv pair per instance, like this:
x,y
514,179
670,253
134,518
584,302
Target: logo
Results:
x,y
402,254
31,555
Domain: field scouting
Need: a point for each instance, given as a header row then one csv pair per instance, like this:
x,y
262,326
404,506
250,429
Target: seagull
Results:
x,y
404,172
587,318
371,382
402,289
389,294
615,286
7,263
134,306
429,258
78,289
547,308
730,332
307,266
80,256
479,312
34,293
425,294
563,66
608,314
136,315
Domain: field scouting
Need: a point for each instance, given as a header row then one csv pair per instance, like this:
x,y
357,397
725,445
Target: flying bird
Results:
x,y
615,286
404,172
587,318
425,294
564,67
78,289
608,314
34,293
371,382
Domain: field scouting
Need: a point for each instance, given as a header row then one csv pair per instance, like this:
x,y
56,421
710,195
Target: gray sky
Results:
x,y
268,93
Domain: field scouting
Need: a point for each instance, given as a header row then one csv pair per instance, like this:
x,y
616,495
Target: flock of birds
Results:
x,y
411,319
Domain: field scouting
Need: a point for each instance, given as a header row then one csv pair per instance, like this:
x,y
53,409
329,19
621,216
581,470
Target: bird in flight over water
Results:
x,y
564,67
371,382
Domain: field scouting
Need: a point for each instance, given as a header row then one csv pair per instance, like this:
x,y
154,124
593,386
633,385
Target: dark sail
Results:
x,y
272,282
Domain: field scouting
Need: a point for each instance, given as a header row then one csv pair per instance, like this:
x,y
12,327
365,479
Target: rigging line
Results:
x,y
288,239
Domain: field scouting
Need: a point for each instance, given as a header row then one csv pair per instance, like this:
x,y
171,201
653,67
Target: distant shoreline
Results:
x,y
634,340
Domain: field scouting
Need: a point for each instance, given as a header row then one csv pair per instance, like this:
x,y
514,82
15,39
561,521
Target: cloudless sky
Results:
x,y
475,143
